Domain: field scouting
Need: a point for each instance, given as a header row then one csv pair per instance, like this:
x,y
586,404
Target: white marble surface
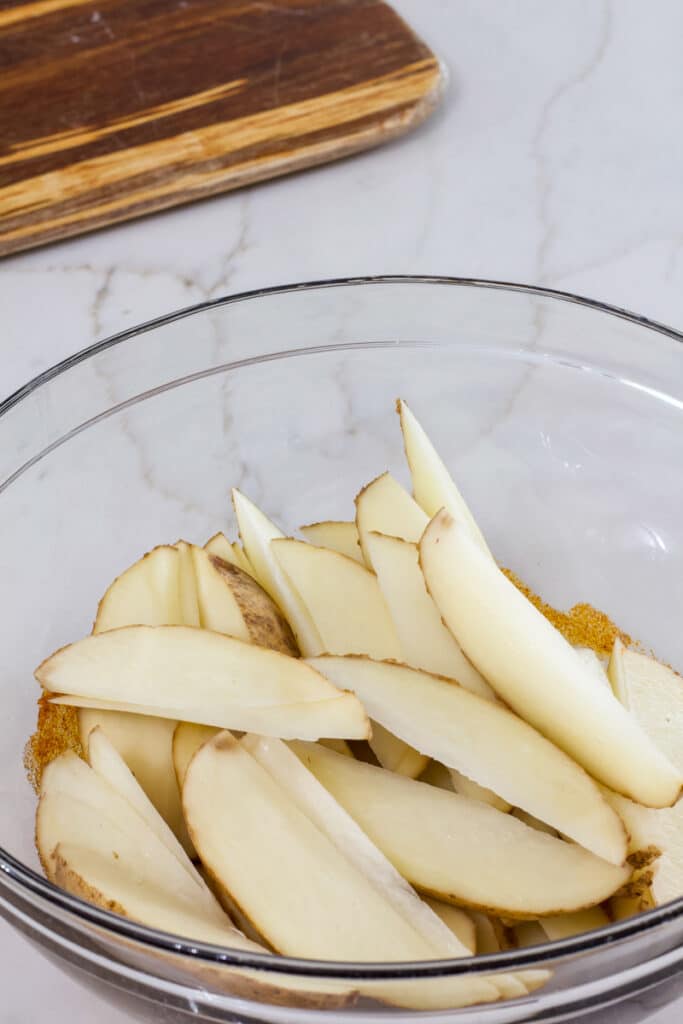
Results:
x,y
556,158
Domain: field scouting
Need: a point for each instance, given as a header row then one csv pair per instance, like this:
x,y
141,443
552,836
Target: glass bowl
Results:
x,y
563,420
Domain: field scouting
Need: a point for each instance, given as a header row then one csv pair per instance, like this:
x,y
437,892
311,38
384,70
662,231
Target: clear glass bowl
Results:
x,y
563,420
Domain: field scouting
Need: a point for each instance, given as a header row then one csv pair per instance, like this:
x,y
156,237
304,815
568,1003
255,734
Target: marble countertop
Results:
x,y
555,159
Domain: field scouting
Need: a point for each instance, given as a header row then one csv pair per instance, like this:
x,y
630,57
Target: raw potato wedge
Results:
x,y
338,715
529,933
533,822
436,774
424,640
220,546
483,741
383,506
144,743
119,886
188,588
257,532
311,797
596,667
466,787
395,755
342,597
310,900
197,675
105,760
335,535
433,486
653,693
535,670
346,605
460,923
188,738
341,746
565,925
487,933
231,602
450,847
77,805
147,593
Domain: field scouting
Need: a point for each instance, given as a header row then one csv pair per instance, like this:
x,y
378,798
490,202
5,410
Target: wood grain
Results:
x,y
119,108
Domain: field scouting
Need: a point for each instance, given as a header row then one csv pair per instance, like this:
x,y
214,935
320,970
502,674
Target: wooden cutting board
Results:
x,y
111,109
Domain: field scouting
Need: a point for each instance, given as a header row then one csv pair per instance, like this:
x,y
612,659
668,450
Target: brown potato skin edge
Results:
x,y
265,622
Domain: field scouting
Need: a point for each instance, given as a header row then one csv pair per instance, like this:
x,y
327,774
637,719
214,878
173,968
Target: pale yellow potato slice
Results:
x,y
336,535
233,553
433,486
217,607
483,740
535,670
653,694
564,926
188,738
257,532
341,746
345,603
459,922
311,900
594,665
188,588
221,547
467,787
395,755
230,601
106,761
309,720
450,847
529,933
383,506
533,822
342,597
320,807
425,641
488,932
77,805
147,593
436,774
172,671
120,886
144,743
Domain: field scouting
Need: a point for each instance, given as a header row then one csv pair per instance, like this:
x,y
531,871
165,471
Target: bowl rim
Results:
x,y
14,875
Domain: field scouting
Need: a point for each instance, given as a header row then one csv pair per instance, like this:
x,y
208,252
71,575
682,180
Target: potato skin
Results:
x,y
265,622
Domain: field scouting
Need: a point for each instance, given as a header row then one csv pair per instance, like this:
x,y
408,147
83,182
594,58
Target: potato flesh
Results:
x,y
257,532
485,742
425,641
312,905
335,535
359,624
322,809
105,760
535,670
433,486
453,848
383,506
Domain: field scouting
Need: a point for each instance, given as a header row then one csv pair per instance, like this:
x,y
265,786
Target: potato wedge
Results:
x,y
257,532
483,741
335,535
535,670
197,675
449,847
433,486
